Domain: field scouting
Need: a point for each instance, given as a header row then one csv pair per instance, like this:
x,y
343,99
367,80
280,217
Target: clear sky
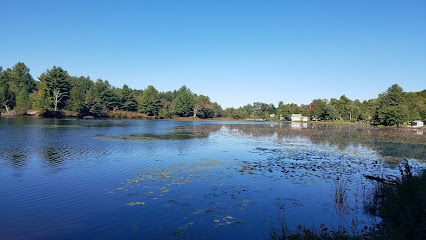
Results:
x,y
235,52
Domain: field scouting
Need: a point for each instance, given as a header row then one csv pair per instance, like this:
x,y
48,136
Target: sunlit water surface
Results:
x,y
102,179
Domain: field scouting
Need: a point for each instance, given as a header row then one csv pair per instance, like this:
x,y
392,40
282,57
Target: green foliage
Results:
x,y
7,98
163,113
23,101
149,102
203,108
55,79
239,114
20,78
402,207
183,103
259,109
128,101
106,95
318,108
218,112
416,104
79,88
391,108
283,111
248,109
83,96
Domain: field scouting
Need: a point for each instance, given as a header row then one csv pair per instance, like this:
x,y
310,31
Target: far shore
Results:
x,y
197,119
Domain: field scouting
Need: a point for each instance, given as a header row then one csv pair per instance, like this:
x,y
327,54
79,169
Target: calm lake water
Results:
x,y
102,179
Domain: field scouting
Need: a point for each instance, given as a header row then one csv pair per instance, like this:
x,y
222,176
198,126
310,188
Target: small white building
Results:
x,y
298,117
417,123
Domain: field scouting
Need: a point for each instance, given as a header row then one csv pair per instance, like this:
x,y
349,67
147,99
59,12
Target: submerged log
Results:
x,y
379,179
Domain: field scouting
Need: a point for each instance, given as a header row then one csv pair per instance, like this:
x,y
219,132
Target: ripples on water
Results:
x,y
97,179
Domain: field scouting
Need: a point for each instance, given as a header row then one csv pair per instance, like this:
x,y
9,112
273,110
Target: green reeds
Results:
x,y
401,204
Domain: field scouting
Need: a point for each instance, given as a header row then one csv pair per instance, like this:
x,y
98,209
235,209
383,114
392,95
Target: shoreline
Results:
x,y
196,119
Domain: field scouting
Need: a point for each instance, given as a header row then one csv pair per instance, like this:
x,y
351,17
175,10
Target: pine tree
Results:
x,y
149,101
391,108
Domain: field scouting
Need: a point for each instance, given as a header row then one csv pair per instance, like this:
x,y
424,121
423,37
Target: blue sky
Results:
x,y
236,52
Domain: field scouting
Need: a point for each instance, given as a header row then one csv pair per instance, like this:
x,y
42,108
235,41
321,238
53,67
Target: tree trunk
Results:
x,y
195,111
92,109
7,109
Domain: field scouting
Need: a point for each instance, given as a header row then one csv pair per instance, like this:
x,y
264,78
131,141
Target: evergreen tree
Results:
x,y
183,103
23,102
107,95
55,87
391,108
149,102
7,98
79,87
128,101
20,78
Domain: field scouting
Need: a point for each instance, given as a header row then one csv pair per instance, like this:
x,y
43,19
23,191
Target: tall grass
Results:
x,y
401,205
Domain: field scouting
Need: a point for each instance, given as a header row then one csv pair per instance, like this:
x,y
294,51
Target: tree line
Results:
x,y
56,91
390,108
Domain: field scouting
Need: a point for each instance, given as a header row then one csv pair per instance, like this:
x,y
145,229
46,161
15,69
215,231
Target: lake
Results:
x,y
110,179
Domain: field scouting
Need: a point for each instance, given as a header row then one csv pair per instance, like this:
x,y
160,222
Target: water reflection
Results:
x,y
298,125
388,142
177,135
221,179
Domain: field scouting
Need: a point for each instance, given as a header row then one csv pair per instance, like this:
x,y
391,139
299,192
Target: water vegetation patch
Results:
x,y
174,189
400,204
151,136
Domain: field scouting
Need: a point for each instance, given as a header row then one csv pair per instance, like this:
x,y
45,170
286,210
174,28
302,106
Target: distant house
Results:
x,y
271,115
417,123
296,117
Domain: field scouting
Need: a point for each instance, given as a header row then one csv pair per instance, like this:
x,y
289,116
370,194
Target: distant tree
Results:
x,y
271,109
163,113
6,95
318,108
149,102
169,96
330,112
416,103
92,101
391,108
55,87
238,114
18,80
228,112
202,107
128,101
249,110
283,111
107,95
260,109
218,112
56,97
184,102
77,100
367,109
23,101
